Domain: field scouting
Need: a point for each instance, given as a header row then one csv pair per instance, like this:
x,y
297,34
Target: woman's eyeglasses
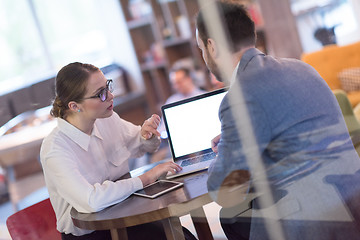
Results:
x,y
103,94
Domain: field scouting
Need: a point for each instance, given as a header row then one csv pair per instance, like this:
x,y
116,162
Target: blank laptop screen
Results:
x,y
193,123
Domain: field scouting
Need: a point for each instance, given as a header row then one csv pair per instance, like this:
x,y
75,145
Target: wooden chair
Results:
x,y
37,222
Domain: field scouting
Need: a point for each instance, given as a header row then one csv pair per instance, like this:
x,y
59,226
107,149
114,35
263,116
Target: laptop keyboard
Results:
x,y
197,159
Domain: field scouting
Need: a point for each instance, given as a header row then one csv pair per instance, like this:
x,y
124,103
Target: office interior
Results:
x,y
135,43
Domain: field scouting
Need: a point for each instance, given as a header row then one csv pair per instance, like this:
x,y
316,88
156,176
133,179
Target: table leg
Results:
x,y
119,234
201,224
173,228
9,181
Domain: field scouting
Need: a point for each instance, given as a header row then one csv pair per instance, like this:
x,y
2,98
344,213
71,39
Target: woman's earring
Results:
x,y
78,110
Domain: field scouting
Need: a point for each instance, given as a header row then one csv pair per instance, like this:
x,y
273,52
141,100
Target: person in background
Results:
x,y
183,85
84,157
295,149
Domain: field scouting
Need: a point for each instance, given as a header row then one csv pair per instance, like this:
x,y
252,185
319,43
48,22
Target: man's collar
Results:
x,y
247,56
79,137
233,76
245,59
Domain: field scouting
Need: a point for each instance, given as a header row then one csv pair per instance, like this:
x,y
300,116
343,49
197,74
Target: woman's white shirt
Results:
x,y
81,170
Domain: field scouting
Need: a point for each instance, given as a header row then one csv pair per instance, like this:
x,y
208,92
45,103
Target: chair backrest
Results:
x,y
42,93
37,222
6,113
347,111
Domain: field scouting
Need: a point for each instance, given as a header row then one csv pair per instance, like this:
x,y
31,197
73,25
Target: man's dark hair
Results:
x,y
186,70
236,21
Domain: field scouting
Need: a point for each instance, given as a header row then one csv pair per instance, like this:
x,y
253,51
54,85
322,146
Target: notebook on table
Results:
x,y
191,124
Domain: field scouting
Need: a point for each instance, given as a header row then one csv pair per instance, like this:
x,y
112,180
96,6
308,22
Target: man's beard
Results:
x,y
213,67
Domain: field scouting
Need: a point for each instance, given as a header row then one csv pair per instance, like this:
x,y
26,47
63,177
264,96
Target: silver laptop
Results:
x,y
190,126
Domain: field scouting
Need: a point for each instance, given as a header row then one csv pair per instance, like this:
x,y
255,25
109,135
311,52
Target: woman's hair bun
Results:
x,y
58,108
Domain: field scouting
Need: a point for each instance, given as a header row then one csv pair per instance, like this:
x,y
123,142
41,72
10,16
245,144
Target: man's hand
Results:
x,y
214,143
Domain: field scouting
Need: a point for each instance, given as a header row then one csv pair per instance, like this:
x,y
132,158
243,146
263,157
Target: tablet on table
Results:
x,y
158,188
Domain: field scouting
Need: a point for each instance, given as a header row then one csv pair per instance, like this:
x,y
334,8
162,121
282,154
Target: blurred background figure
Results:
x,y
183,83
325,35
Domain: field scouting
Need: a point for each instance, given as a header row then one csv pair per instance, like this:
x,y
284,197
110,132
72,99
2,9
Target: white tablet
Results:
x,y
158,188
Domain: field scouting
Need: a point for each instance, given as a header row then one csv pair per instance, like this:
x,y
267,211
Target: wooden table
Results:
x,y
167,208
